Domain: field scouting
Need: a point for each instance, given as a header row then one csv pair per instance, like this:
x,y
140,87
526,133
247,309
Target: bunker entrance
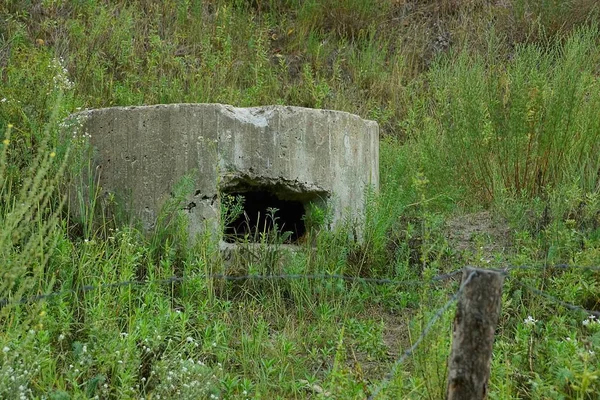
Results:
x,y
260,212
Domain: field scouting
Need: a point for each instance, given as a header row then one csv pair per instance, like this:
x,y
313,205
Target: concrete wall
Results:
x,y
140,153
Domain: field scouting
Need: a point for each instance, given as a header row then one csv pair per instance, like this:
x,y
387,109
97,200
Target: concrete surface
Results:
x,y
277,156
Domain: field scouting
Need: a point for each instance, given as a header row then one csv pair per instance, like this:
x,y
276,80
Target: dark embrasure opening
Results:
x,y
262,211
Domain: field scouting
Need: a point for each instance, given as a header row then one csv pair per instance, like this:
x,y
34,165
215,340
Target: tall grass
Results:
x,y
522,128
30,211
471,118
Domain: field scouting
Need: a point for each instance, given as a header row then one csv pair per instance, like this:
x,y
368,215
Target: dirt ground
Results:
x,y
481,238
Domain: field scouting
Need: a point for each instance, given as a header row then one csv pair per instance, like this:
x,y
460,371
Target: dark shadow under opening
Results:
x,y
262,211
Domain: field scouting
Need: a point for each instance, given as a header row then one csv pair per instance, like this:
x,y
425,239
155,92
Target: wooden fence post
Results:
x,y
476,318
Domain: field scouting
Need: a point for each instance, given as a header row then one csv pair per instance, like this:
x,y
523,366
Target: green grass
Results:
x,y
501,118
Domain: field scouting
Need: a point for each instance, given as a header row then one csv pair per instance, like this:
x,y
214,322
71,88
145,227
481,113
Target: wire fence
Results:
x,y
438,314
556,300
356,279
181,279
364,280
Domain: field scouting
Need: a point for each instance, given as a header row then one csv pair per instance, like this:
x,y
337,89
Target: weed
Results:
x,y
482,105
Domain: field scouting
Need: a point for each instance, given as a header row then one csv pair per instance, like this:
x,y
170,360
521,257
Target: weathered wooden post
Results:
x,y
476,318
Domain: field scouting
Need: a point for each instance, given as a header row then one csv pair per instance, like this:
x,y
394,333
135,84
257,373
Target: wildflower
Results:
x,y
3,100
61,337
591,352
52,155
190,339
6,142
530,320
5,349
586,322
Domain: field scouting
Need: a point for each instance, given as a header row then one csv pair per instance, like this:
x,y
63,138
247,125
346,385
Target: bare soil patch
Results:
x,y
482,235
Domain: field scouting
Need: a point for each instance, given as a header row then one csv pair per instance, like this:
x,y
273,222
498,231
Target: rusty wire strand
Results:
x,y
569,306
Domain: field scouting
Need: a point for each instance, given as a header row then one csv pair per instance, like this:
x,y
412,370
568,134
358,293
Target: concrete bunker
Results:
x,y
274,157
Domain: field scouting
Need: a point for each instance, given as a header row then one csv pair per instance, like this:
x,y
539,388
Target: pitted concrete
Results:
x,y
308,155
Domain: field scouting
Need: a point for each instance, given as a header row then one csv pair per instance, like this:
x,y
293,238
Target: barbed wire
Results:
x,y
378,281
570,306
550,267
178,279
388,377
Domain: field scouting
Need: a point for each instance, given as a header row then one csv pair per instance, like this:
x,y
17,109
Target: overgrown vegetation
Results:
x,y
483,105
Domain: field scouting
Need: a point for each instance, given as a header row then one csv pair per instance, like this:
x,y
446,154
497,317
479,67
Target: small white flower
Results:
x,y
84,348
591,352
190,339
61,337
586,322
530,320
3,100
214,344
5,349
